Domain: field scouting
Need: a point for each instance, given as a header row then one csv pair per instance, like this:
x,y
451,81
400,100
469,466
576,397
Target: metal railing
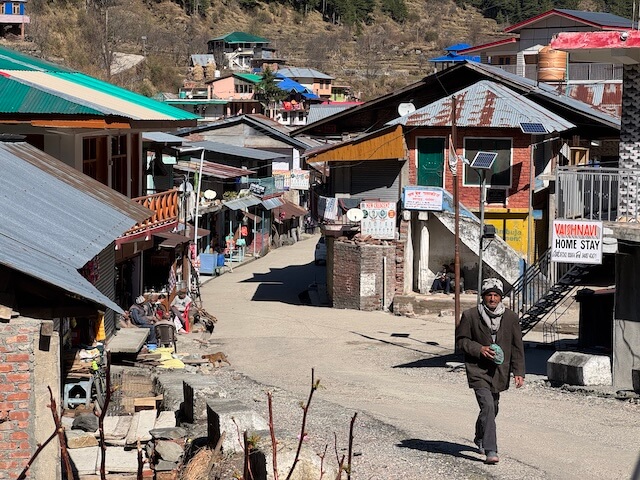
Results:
x,y
577,71
598,193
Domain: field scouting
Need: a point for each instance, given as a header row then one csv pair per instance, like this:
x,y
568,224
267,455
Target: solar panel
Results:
x,y
533,128
483,160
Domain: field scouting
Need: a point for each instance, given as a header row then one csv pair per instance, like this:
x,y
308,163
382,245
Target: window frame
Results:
x,y
488,184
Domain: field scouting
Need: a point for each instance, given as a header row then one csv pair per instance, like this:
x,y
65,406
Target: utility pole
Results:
x,y
456,203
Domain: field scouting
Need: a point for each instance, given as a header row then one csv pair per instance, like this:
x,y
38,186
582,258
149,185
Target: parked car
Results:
x,y
321,252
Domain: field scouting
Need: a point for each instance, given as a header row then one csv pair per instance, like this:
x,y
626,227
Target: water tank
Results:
x,y
552,65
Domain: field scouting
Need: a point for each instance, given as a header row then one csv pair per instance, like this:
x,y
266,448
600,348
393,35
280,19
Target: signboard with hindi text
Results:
x,y
422,198
577,241
379,220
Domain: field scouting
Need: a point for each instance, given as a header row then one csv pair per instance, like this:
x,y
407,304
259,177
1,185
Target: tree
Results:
x,y
267,90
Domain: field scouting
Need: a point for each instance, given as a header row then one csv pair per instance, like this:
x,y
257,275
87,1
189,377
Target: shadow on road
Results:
x,y
434,361
437,446
287,285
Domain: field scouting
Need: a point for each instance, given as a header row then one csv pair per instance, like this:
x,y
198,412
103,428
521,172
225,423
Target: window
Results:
x,y
90,157
119,164
500,174
15,7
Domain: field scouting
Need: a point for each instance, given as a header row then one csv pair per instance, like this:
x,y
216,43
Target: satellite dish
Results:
x,y
406,108
185,187
209,194
355,214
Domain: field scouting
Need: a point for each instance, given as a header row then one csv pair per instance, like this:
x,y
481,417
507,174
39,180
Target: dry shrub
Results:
x,y
199,466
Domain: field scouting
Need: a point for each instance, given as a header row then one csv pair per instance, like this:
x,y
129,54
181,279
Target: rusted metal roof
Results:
x,y
485,104
212,169
70,215
384,144
606,97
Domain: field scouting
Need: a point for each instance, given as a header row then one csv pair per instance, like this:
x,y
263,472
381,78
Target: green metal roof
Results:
x,y
141,100
19,98
249,77
240,37
12,60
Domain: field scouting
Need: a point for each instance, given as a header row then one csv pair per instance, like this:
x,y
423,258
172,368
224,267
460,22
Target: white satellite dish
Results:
x,y
209,194
355,214
406,108
185,187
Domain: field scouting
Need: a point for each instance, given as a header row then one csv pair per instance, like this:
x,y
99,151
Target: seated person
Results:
x,y
142,317
178,306
442,282
452,278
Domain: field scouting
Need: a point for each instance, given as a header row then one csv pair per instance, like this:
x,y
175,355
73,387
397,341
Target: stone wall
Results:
x,y
359,277
27,366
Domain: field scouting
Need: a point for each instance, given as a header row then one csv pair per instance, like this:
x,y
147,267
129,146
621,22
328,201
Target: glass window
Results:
x,y
500,174
15,8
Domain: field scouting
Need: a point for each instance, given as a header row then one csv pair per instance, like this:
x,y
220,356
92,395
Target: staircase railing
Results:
x,y
535,286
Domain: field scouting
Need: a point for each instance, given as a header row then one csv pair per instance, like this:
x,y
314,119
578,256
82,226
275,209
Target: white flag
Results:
x,y
453,158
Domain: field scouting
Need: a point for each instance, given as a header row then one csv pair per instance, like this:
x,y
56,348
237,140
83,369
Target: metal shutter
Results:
x,y
377,180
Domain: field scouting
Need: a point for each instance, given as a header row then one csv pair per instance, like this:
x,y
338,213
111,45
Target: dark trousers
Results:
x,y
486,423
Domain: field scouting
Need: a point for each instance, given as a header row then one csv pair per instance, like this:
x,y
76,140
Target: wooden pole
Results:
x,y
456,203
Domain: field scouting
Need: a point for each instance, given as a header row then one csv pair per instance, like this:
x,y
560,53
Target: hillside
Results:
x,y
373,58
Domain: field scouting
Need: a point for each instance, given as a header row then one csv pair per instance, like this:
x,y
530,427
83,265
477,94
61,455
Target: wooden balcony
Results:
x,y
165,207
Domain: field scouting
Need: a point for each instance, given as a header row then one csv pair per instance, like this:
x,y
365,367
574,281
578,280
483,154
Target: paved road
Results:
x,y
393,369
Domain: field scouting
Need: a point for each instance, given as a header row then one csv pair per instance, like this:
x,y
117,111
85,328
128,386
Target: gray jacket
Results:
x,y
472,334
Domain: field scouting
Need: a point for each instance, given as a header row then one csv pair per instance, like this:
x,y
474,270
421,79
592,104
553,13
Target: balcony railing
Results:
x,y
598,193
164,204
577,71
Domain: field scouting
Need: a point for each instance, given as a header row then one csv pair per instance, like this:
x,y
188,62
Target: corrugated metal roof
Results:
x,y
598,19
242,202
606,97
70,216
271,203
319,112
202,59
295,72
240,37
47,268
249,77
241,152
20,98
13,60
211,169
161,137
485,104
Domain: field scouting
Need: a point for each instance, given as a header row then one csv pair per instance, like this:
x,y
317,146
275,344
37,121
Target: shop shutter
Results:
x,y
377,180
106,283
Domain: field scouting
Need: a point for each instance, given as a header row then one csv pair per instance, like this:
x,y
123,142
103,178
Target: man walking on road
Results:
x,y
491,339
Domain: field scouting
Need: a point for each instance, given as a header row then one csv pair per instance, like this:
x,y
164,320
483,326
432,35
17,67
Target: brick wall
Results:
x,y
358,275
25,418
518,194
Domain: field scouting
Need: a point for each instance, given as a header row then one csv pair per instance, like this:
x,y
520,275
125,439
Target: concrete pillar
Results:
x,y
423,261
629,142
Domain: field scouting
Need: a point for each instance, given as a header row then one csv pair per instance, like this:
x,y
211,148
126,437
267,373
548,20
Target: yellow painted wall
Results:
x,y
512,228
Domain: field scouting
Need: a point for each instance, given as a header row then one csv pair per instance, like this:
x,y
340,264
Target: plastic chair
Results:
x,y
166,335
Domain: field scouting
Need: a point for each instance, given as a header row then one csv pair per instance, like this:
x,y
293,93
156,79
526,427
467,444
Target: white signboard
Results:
x,y
379,220
422,198
577,241
299,179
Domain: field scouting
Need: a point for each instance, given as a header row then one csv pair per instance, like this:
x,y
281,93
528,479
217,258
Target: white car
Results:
x,y
321,252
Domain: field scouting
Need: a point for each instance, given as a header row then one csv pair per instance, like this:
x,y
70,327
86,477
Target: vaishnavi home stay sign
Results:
x,y
577,241
379,220
422,198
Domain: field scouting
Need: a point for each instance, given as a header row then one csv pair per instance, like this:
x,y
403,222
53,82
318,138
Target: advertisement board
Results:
x,y
422,198
577,241
379,220
299,179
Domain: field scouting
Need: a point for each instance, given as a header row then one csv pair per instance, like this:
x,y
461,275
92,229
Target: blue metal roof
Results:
x,y
457,47
599,18
453,58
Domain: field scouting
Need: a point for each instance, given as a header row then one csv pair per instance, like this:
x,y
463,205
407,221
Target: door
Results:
x,y
430,162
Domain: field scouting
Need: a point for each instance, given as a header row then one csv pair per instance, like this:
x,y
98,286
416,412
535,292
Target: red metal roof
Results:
x,y
498,43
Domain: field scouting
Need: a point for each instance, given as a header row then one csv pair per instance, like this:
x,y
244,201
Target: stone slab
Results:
x,y
165,420
116,428
84,460
119,460
231,416
196,391
142,422
128,340
80,439
173,433
169,451
574,368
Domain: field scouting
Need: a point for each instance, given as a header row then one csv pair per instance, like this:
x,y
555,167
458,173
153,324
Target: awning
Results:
x,y
173,239
162,137
252,217
291,210
242,203
212,169
384,144
233,151
272,203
